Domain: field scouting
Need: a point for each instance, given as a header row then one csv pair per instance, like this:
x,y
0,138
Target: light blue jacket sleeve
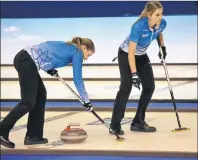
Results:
x,y
135,33
77,74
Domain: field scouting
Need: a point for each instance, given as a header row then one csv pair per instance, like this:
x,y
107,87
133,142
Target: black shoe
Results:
x,y
142,127
118,131
6,142
36,140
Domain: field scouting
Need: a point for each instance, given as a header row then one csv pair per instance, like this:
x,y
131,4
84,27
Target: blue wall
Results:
x,y
51,9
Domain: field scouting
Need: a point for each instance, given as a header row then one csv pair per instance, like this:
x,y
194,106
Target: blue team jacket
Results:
x,y
142,35
55,54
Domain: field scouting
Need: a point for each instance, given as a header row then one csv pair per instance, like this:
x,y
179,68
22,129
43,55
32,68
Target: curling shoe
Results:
x,y
4,141
35,140
142,127
118,131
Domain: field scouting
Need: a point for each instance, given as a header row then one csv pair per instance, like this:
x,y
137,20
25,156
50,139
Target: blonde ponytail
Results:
x,y
77,41
149,8
142,15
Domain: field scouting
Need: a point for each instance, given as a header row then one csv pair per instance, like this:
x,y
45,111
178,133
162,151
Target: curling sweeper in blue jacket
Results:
x,y
46,56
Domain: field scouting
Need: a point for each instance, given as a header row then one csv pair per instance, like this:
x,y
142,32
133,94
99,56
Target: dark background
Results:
x,y
51,9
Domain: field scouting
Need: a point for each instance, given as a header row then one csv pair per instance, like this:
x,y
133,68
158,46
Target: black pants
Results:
x,y
33,98
145,74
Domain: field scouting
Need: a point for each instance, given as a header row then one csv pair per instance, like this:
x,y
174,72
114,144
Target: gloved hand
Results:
x,y
88,106
163,53
53,72
136,80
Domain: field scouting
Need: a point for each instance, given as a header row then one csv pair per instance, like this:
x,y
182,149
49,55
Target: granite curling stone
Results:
x,y
73,135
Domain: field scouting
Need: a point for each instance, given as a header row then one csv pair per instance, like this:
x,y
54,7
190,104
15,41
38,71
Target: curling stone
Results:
x,y
73,135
